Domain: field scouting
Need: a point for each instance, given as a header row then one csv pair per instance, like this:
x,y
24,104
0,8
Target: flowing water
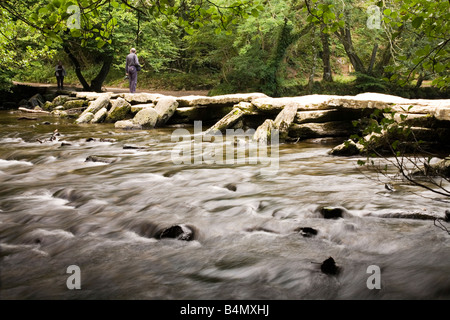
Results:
x,y
58,210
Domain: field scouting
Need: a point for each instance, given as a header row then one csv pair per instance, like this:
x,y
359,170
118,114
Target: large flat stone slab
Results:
x,y
222,100
303,103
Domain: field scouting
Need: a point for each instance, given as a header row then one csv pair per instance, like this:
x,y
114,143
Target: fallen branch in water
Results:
x,y
32,110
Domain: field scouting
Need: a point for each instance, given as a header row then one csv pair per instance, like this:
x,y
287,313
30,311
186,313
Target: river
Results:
x,y
58,210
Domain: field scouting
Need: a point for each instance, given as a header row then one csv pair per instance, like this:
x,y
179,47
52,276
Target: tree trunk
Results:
x,y
97,82
372,59
285,40
77,66
345,37
386,55
385,58
420,80
324,37
313,66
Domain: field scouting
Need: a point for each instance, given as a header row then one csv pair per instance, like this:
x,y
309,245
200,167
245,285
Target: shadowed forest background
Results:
x,y
278,47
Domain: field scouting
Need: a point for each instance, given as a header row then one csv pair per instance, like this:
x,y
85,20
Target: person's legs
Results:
x,y
58,80
132,74
62,82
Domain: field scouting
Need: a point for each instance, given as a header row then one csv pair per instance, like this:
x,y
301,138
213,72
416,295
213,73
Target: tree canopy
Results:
x,y
263,45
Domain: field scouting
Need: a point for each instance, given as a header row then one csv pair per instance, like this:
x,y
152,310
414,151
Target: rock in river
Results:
x,y
331,212
329,267
178,232
100,159
307,232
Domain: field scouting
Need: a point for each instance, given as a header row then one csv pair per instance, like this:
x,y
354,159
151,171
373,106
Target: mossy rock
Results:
x,y
72,104
120,110
48,106
61,99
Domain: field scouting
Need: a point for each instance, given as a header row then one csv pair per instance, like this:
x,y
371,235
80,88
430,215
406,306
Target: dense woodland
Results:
x,y
278,47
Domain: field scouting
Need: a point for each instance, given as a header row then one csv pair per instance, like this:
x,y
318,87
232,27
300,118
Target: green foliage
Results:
x,y
20,48
367,83
240,45
427,49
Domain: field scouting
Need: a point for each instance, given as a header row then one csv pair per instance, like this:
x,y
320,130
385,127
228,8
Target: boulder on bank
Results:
x,y
101,102
227,121
347,148
120,109
138,107
265,131
165,108
85,117
100,115
61,99
48,106
74,104
146,118
60,113
284,120
441,168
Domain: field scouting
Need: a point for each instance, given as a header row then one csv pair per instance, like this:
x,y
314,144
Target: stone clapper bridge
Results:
x,y
295,118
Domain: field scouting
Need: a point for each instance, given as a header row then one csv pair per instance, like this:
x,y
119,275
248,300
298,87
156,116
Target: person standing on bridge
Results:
x,y
132,67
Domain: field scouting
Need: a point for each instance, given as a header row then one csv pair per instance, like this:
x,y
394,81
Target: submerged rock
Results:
x,y
127,125
128,147
329,267
255,229
331,212
231,186
100,159
306,232
178,232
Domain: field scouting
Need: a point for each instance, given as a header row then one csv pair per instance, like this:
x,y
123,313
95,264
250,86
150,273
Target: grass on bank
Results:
x,y
211,82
